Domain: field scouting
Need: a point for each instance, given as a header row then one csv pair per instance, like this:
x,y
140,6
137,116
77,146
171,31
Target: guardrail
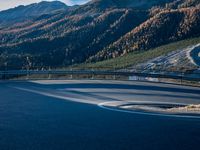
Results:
x,y
168,75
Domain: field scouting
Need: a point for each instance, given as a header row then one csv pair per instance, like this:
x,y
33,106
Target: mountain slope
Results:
x,y
136,4
152,59
165,27
98,30
183,3
22,13
70,38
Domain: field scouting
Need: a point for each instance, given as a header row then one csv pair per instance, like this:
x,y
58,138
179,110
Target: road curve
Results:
x,y
61,115
195,55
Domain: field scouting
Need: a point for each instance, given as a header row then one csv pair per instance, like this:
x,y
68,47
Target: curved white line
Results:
x,y
189,54
101,105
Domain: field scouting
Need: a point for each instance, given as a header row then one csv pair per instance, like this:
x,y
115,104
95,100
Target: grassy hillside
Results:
x,y
135,58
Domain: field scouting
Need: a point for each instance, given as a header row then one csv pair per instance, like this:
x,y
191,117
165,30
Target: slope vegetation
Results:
x,y
96,31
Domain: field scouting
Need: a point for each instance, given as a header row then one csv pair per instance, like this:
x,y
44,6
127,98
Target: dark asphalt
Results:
x,y
32,121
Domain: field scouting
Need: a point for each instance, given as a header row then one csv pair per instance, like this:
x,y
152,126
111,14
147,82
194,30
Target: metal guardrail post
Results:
x,y
49,74
182,75
71,76
27,74
181,78
92,74
114,76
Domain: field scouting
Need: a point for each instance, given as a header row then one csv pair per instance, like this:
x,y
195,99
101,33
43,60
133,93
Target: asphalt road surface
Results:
x,y
64,115
195,54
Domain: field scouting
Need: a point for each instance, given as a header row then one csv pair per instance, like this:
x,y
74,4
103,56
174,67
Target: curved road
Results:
x,y
60,115
195,55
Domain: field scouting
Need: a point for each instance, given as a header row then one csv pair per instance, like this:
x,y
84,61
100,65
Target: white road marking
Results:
x,y
102,105
64,94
